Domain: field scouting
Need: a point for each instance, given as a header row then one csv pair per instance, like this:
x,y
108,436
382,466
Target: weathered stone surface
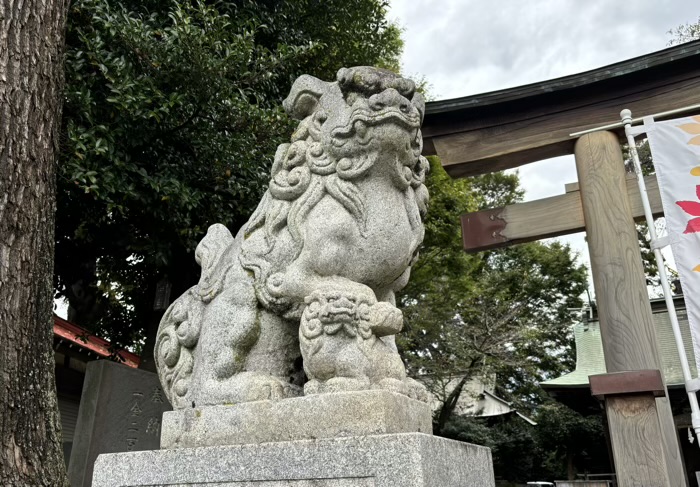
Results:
x,y
310,417
402,460
314,271
120,410
312,275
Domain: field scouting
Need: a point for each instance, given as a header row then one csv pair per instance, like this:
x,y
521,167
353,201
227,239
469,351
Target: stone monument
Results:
x,y
280,363
121,409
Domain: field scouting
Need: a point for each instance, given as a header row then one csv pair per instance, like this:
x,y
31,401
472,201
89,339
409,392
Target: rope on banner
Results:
x,y
657,243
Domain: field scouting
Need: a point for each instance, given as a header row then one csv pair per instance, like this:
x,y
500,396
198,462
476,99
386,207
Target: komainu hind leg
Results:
x,y
248,354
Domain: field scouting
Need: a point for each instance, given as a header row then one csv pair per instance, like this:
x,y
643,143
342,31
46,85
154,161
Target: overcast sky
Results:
x,y
467,47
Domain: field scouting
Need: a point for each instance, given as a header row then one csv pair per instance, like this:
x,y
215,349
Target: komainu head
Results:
x,y
348,125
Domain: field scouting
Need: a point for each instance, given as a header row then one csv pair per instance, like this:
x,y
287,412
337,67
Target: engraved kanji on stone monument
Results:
x,y
114,412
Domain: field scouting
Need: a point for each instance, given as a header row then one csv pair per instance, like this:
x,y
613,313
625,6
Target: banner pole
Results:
x,y
657,244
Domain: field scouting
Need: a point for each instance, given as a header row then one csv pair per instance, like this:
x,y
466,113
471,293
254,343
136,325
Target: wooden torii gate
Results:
x,y
505,129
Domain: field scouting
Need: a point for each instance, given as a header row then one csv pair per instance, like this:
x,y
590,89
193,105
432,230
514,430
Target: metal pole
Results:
x,y
615,125
657,244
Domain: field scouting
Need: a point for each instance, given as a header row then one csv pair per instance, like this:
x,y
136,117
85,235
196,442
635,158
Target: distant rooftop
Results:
x,y
590,359
77,336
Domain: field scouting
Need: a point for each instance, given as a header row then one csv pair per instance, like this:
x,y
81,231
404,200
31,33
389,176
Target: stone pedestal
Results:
x,y
396,460
312,417
352,439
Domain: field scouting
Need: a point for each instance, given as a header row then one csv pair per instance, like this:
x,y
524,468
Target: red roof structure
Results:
x,y
81,337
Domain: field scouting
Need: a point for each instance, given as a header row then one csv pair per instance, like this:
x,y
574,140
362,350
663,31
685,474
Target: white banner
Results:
x,y
675,149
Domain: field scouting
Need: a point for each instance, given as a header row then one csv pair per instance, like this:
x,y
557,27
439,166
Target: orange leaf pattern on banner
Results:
x,y
691,207
691,128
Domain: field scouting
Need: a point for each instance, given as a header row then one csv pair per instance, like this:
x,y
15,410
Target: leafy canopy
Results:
x,y
502,312
172,116
688,32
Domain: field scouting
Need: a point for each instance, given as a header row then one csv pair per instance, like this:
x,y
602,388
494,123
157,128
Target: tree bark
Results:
x,y
449,406
32,34
570,470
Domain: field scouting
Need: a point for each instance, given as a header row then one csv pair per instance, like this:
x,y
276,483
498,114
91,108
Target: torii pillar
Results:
x,y
642,430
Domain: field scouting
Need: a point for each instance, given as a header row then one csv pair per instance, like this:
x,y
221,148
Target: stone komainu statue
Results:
x,y
306,289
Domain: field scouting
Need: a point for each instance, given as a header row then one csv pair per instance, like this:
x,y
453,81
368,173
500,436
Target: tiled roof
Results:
x,y
590,359
81,337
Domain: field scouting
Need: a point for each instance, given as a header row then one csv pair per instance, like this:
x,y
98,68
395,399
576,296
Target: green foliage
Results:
x,y
496,189
344,33
502,312
171,120
567,438
562,443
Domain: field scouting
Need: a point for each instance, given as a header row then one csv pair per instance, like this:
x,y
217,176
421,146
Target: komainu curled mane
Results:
x,y
303,298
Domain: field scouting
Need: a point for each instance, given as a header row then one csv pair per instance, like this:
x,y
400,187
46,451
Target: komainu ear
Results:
x,y
419,102
303,97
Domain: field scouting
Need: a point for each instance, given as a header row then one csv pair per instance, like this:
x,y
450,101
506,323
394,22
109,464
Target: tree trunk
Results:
x,y
31,81
570,471
449,406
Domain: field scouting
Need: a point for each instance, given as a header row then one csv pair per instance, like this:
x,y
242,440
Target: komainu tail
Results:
x,y
181,325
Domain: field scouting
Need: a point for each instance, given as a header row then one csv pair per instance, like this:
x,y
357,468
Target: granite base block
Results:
x,y
398,460
373,412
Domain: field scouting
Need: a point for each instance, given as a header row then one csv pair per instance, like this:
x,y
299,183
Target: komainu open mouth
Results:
x,y
371,118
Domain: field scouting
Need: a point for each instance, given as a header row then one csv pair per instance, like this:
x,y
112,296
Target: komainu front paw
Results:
x,y
393,385
336,384
416,390
245,387
408,387
385,319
